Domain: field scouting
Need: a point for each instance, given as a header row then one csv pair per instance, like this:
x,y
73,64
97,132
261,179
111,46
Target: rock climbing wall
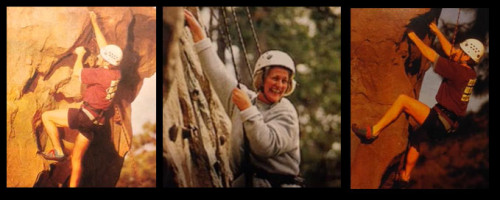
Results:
x,y
40,45
196,129
384,64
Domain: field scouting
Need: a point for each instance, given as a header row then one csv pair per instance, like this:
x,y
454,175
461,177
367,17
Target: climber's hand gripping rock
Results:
x,y
194,26
80,51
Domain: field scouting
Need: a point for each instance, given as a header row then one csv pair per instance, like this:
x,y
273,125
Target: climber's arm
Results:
x,y
426,51
223,82
101,40
196,30
77,68
445,44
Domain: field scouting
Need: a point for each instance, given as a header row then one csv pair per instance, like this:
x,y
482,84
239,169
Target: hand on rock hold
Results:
x,y
412,35
194,26
433,27
80,51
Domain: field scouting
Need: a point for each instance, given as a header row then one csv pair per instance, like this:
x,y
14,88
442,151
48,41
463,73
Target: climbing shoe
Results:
x,y
365,134
53,155
400,183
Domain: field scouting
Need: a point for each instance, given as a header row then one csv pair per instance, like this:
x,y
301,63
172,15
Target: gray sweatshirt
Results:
x,y
272,130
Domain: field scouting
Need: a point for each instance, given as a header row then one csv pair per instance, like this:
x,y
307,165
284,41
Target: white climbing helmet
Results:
x,y
274,58
112,54
473,48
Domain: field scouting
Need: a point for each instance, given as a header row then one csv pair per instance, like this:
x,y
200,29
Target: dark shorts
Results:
x,y
431,130
78,120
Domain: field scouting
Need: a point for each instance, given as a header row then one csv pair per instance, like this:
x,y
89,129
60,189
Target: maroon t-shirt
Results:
x,y
456,87
101,86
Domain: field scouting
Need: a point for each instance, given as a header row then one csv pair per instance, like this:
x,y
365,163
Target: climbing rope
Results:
x,y
240,36
253,31
210,22
228,36
135,170
247,166
455,32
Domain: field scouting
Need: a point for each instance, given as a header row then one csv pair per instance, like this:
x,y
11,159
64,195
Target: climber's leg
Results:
x,y
51,120
411,160
81,145
413,107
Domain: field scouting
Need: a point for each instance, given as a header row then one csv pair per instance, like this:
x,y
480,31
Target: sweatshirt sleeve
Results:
x,y
274,137
213,67
447,69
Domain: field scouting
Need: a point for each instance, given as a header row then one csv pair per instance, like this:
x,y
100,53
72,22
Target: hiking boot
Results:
x,y
364,134
53,155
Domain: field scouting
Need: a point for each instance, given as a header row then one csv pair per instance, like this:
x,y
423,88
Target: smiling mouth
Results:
x,y
275,91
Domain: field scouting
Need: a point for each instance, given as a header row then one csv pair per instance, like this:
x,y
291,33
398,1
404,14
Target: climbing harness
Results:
x,y
118,120
89,110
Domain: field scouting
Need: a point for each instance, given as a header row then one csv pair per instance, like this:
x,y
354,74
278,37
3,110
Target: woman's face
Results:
x,y
275,84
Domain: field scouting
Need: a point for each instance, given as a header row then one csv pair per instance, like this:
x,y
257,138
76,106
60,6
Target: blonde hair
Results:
x,y
260,76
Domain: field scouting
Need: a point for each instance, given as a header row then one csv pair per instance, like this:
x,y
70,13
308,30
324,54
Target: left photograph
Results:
x,y
81,97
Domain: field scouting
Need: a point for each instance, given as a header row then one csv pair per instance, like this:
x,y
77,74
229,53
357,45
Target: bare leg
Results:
x,y
53,119
418,111
81,145
413,107
411,160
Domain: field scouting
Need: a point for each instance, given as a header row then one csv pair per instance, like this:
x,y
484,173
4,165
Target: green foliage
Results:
x,y
311,35
139,169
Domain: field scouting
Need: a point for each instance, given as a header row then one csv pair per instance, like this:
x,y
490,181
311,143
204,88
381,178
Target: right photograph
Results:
x,y
419,98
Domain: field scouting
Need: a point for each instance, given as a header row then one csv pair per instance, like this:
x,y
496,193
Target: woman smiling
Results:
x,y
265,119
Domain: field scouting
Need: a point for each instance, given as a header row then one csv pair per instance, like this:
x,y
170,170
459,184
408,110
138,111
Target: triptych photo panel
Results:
x,y
250,97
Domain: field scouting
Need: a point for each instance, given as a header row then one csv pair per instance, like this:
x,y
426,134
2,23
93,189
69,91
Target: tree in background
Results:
x,y
311,35
139,169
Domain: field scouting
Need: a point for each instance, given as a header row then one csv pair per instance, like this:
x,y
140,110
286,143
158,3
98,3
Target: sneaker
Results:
x,y
53,155
364,134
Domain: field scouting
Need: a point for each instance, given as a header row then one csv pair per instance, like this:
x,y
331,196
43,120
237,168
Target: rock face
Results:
x,y
196,129
384,64
40,45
